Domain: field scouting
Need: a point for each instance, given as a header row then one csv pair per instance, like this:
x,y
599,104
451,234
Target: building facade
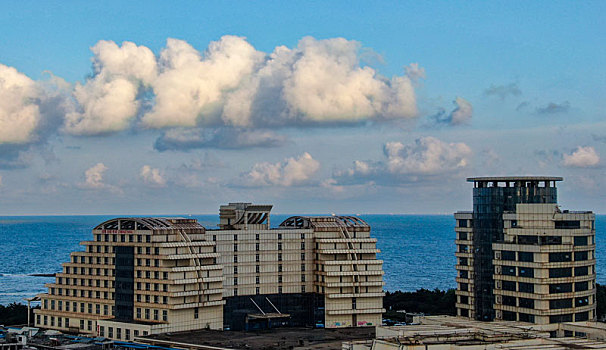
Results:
x,y
142,276
521,258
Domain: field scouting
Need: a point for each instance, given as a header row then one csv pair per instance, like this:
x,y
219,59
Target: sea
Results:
x,y
417,250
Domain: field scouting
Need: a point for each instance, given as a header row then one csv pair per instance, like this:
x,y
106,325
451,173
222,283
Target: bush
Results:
x,y
13,314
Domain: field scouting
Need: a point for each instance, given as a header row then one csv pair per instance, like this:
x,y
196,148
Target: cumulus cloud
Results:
x,y
108,102
94,176
19,111
152,176
290,172
461,114
229,85
427,156
503,91
93,179
554,108
582,157
183,139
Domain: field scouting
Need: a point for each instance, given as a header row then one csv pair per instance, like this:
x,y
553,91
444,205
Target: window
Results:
x,y
582,301
560,288
526,318
526,256
235,281
560,257
302,277
235,270
560,272
279,245
257,246
164,315
463,236
567,224
463,274
508,270
508,255
257,268
279,256
257,280
581,316
302,256
509,300
279,278
581,286
580,240
581,271
463,248
196,313
528,240
508,285
257,257
302,267
463,223
235,258
257,290
581,256
560,303
525,287
527,303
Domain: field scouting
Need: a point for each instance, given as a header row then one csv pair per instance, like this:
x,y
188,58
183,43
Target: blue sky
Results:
x,y
315,107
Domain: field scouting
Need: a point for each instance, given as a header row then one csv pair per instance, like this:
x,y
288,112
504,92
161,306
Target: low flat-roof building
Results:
x,y
141,276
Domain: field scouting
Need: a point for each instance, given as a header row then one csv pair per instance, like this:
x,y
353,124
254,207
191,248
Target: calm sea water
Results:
x,y
417,250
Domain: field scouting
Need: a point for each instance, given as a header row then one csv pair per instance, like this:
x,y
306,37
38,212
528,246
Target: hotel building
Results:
x,y
521,258
141,276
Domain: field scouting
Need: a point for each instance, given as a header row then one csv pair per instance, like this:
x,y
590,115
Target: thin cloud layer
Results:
x,y
503,91
184,139
290,172
582,157
554,108
427,156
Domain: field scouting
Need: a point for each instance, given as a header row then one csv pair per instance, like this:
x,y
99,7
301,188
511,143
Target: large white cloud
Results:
x,y
230,84
19,110
291,171
190,88
582,157
108,102
94,176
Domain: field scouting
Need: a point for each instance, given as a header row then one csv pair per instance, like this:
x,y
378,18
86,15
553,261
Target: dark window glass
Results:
x,y
509,300
560,288
463,273
463,248
526,287
509,316
560,257
581,316
581,256
550,240
567,224
528,240
525,272
526,318
463,261
462,286
508,270
526,256
582,301
463,299
560,303
581,271
463,236
462,223
508,255
560,272
509,285
527,303
581,286
560,318
580,240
